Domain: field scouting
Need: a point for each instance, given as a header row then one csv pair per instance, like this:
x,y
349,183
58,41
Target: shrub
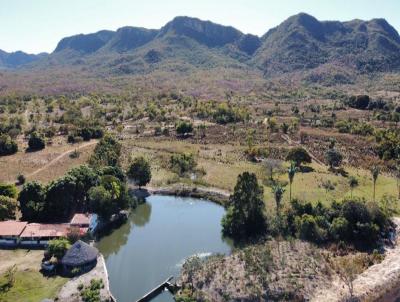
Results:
x,y
7,145
308,229
8,206
21,179
9,190
333,157
183,163
339,228
359,101
36,142
58,247
184,128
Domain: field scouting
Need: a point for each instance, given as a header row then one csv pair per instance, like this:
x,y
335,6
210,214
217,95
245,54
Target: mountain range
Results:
x,y
299,44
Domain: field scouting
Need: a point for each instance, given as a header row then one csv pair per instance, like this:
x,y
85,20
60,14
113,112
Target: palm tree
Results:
x,y
278,191
291,173
353,182
375,173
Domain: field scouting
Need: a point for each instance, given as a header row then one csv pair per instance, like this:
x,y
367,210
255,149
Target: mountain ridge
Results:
x,y
301,43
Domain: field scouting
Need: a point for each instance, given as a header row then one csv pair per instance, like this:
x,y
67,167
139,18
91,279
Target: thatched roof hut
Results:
x,y
80,256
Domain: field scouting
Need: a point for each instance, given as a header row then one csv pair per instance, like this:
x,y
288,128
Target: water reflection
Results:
x,y
157,238
141,215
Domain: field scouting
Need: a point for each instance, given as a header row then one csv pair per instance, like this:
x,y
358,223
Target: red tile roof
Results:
x,y
80,219
11,227
45,230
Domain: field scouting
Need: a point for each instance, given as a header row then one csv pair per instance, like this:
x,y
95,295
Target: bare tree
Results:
x,y
272,166
348,268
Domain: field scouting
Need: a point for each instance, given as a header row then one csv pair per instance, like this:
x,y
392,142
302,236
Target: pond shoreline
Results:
x,y
215,195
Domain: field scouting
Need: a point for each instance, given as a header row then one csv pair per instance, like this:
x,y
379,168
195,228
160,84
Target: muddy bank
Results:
x,y
213,194
379,283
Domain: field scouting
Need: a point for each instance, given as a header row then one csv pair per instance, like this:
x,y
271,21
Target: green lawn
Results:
x,y
32,286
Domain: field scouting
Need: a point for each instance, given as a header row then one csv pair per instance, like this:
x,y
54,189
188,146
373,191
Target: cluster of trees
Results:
x,y
8,202
86,134
222,113
77,191
99,188
353,220
364,102
353,127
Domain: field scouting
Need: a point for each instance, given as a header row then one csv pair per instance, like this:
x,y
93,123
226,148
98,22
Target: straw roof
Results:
x,y
79,254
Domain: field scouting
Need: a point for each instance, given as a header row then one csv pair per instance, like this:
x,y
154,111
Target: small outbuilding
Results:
x,y
80,258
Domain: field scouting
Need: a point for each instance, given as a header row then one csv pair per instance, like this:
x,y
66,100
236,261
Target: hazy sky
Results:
x,y
37,25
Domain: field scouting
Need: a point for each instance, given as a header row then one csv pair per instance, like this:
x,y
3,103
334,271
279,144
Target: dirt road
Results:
x,y
58,158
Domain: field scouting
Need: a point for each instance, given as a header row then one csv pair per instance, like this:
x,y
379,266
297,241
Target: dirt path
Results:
x,y
58,158
380,282
292,142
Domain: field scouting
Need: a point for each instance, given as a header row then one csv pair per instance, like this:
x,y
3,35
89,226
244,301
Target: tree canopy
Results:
x,y
140,171
245,214
298,155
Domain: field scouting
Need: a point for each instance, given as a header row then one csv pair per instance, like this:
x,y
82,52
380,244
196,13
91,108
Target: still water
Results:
x,y
152,245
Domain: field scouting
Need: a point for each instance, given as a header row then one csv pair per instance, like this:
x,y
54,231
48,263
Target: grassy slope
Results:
x,y
32,286
223,163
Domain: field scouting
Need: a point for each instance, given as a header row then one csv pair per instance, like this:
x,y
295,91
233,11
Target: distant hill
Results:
x,y
326,52
17,59
302,42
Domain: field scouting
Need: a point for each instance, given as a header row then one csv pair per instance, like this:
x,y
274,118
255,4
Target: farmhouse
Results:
x,y
10,232
38,234
80,257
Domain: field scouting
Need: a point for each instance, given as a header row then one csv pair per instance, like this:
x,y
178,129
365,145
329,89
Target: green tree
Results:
x,y
9,190
334,158
109,197
36,142
60,198
353,183
101,202
7,145
291,173
58,247
299,156
375,171
85,178
245,214
31,200
106,152
140,171
8,206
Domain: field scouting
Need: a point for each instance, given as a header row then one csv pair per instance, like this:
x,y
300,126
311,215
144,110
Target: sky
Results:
x,y
37,26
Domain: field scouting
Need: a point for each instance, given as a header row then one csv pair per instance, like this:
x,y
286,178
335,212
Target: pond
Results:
x,y
153,244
